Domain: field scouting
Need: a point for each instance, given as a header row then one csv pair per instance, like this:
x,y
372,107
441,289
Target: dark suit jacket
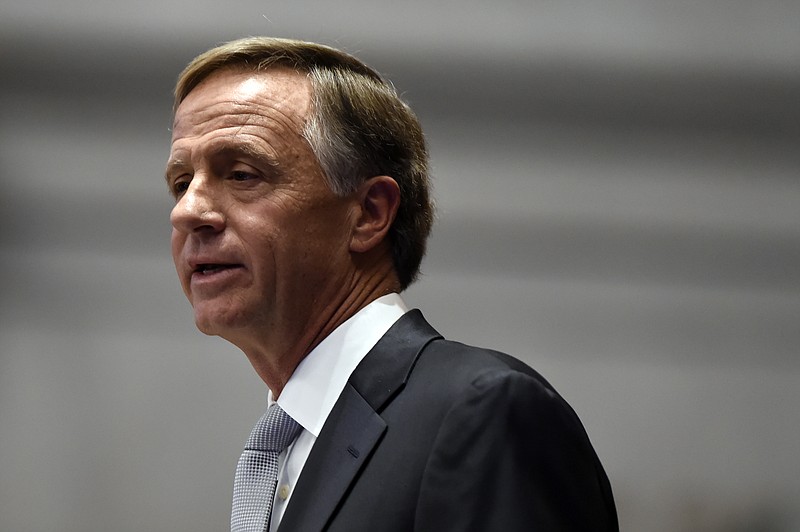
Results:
x,y
435,436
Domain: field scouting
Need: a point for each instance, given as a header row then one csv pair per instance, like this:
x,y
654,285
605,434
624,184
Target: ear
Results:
x,y
379,199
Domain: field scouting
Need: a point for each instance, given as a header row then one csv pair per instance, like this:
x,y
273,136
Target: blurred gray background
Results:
x,y
619,197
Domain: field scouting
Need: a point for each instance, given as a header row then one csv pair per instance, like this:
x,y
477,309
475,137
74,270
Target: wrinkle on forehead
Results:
x,y
260,115
278,94
234,118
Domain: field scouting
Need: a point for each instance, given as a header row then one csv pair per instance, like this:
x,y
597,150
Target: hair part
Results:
x,y
358,128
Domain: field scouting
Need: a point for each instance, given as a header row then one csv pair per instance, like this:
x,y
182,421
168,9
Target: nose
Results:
x,y
198,209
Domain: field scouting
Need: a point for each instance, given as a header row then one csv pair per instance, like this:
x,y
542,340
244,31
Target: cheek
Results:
x,y
176,243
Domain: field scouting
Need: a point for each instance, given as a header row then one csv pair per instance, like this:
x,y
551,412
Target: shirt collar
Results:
x,y
319,379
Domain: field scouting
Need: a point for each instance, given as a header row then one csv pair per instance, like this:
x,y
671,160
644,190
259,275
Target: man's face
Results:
x,y
259,241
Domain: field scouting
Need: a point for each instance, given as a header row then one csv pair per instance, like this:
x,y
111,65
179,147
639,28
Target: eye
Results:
x,y
241,175
180,186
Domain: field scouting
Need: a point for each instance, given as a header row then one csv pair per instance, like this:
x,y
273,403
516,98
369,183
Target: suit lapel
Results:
x,y
346,440
354,427
386,368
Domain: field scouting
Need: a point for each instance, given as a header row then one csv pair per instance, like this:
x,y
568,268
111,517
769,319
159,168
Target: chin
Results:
x,y
214,322
206,325
224,321
206,328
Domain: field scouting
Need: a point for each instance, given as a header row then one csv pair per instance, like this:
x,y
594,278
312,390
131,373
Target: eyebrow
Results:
x,y
244,148
247,149
174,165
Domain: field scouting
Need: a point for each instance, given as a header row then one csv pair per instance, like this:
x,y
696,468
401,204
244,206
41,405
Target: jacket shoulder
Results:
x,y
464,364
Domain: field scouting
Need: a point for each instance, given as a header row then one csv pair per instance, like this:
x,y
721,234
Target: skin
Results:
x,y
268,256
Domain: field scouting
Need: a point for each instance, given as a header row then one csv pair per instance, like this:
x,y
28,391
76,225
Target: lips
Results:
x,y
210,267
205,270
209,279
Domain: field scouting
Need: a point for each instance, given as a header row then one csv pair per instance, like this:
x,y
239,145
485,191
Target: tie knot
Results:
x,y
274,431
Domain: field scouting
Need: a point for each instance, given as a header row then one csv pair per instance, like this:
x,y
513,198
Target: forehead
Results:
x,y
279,95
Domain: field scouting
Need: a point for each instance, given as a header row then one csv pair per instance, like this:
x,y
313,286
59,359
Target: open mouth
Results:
x,y
208,269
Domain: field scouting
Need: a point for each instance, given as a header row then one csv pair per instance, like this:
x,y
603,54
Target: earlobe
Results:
x,y
379,199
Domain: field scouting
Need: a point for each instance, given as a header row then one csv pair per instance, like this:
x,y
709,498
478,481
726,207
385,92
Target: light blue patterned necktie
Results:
x,y
257,471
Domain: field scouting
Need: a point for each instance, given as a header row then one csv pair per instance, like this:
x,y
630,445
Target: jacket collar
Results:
x,y
386,368
354,427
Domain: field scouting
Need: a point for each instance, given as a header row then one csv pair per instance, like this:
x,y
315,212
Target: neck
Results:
x,y
275,359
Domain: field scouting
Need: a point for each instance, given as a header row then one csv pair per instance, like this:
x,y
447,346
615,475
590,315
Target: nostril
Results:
x,y
210,220
196,212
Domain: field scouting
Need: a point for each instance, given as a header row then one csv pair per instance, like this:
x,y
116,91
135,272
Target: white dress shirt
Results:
x,y
317,382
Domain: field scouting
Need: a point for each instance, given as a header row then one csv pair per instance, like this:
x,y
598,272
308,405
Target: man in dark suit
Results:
x,y
302,211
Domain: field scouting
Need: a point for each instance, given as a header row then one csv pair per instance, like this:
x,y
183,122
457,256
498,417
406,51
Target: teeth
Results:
x,y
204,268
